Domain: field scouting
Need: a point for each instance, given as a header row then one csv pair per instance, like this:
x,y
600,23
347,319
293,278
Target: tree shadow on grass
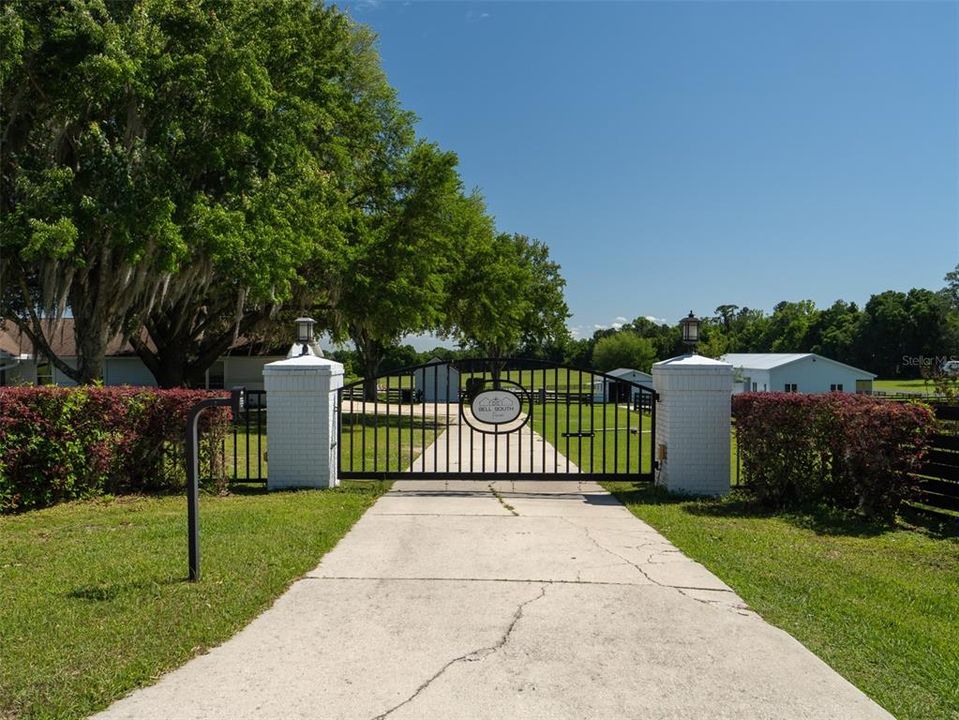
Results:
x,y
820,519
352,487
106,592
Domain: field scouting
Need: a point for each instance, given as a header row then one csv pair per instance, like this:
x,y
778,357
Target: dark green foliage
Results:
x,y
625,349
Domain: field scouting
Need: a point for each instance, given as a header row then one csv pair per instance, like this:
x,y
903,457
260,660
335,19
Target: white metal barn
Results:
x,y
435,383
619,390
795,372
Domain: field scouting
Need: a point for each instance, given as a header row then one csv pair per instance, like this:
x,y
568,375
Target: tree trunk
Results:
x,y
92,352
371,355
371,364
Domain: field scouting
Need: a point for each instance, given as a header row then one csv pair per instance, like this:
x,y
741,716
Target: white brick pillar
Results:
x,y
301,422
692,421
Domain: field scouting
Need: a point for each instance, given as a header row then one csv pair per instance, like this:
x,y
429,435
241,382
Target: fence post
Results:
x,y
692,422
301,425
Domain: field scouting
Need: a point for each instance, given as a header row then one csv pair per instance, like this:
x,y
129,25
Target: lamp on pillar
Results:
x,y
690,325
305,342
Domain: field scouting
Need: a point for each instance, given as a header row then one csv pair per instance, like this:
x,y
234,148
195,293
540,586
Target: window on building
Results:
x,y
45,373
791,387
835,388
754,387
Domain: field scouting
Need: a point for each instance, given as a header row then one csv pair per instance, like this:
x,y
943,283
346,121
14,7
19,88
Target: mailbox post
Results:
x,y
235,403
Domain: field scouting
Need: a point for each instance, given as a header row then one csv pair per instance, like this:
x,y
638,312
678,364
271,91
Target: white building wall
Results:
x,y
60,378
245,371
812,375
23,373
127,371
758,377
432,380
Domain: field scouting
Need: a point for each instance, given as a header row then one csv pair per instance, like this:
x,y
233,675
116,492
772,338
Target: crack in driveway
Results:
x,y
472,656
678,588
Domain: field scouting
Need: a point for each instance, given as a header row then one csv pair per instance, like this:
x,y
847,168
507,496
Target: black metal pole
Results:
x,y
235,401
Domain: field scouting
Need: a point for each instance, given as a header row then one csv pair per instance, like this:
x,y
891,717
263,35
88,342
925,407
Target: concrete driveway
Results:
x,y
510,601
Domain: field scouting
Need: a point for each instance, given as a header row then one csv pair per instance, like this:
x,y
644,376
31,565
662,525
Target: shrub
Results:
x,y
848,450
59,444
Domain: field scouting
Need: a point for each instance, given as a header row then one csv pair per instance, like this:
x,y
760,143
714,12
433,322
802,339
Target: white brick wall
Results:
x,y
301,422
693,420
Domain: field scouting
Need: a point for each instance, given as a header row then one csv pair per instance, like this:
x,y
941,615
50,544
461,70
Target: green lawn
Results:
x,y
93,596
370,450
880,605
903,386
617,434
378,443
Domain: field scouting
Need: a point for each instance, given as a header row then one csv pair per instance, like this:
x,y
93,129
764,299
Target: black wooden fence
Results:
x,y
939,476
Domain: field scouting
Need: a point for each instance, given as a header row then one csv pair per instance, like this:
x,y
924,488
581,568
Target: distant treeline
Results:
x,y
895,334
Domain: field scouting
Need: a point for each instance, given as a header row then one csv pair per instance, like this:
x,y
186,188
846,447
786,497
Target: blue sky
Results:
x,y
679,156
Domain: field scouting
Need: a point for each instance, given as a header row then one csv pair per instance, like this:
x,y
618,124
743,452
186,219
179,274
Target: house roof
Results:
x,y
770,361
620,372
61,337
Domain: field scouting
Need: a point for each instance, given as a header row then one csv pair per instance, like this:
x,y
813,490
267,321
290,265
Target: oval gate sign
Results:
x,y
496,407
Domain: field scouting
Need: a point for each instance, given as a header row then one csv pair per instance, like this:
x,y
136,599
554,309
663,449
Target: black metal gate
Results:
x,y
494,419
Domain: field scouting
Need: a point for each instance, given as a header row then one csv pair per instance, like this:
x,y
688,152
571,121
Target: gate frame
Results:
x,y
647,394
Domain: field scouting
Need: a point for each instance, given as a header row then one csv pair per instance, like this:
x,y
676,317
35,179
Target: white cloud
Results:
x,y
658,321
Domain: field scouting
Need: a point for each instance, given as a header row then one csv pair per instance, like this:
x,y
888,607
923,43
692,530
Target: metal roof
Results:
x,y
769,361
619,372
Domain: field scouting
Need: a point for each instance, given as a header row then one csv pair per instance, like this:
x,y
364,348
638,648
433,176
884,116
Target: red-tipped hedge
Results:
x,y
59,444
850,450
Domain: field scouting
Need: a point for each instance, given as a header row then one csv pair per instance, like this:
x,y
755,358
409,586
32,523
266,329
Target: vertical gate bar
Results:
x,y
567,419
376,426
246,449
639,415
532,418
652,431
412,414
447,431
628,434
519,436
543,409
236,455
339,431
436,427
352,430
259,439
483,450
506,434
459,423
387,423
615,433
423,447
555,420
592,424
605,414
363,428
579,421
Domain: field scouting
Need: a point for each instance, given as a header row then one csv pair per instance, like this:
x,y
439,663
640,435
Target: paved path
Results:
x,y
540,600
461,449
